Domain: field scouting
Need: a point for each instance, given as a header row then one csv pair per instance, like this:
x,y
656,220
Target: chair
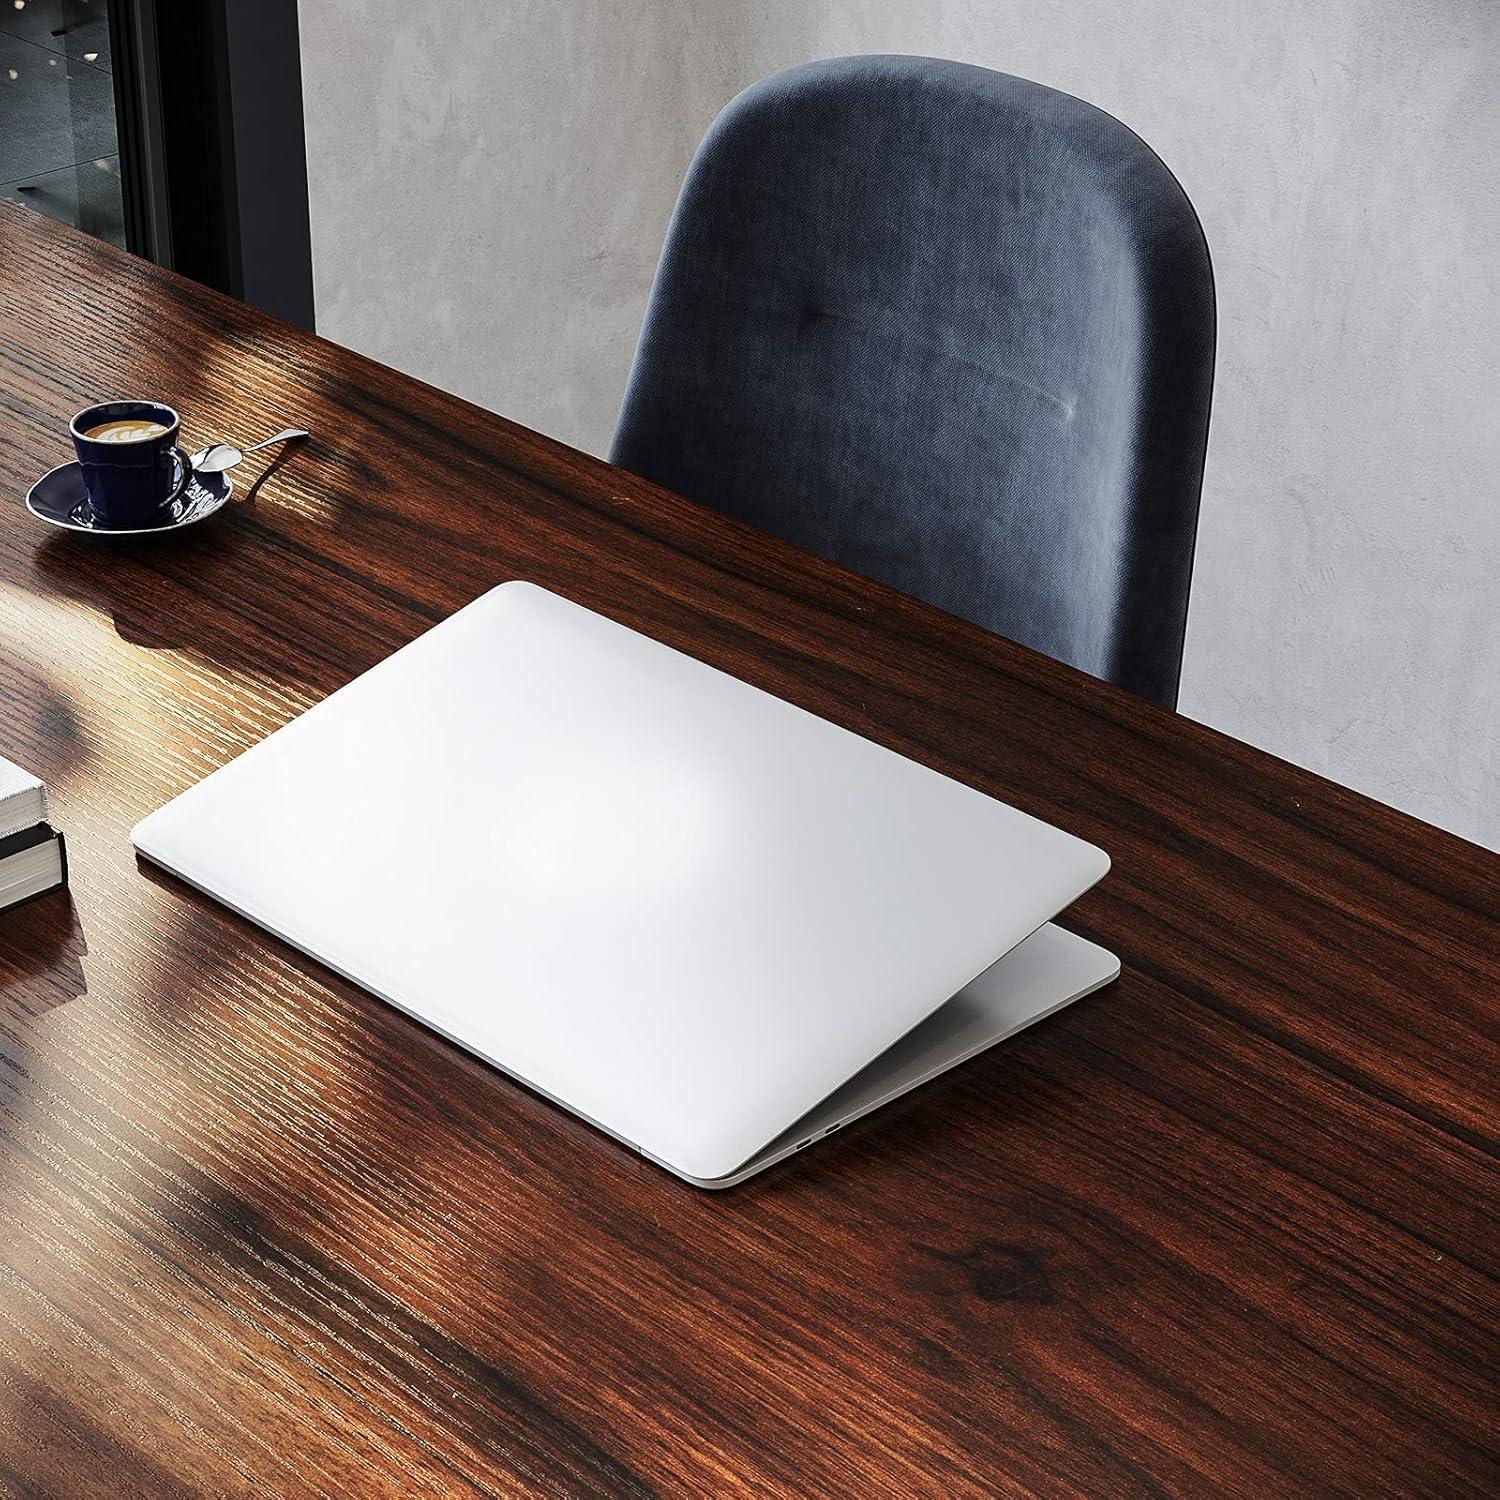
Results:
x,y
953,330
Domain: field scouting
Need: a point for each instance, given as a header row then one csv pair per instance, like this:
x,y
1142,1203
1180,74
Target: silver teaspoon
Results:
x,y
217,457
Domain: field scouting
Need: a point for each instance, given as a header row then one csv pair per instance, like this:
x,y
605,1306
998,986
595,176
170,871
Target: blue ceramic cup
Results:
x,y
127,451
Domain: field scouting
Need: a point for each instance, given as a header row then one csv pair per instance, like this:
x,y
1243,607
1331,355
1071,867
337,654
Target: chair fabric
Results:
x,y
953,330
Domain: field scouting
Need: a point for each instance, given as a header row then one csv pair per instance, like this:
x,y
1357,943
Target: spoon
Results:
x,y
217,457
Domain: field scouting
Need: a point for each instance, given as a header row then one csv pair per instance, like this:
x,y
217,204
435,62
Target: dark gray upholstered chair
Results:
x,y
953,330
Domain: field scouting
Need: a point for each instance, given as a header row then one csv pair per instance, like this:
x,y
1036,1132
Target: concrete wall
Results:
x,y
490,183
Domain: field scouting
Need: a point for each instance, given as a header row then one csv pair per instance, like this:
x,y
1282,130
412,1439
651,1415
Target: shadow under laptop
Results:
x,y
403,1133
430,1096
420,1085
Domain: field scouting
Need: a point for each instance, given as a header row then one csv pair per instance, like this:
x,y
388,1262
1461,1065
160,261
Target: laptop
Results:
x,y
710,923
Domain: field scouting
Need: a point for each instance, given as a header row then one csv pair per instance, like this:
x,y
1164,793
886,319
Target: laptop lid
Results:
x,y
675,904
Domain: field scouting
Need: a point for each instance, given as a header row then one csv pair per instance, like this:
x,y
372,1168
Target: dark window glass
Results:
x,y
58,145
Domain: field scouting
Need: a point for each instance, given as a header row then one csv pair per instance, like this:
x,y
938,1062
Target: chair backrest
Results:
x,y
953,330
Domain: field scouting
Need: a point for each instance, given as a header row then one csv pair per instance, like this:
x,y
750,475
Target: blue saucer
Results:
x,y
58,498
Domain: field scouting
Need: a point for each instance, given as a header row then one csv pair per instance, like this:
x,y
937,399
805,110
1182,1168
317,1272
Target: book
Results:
x,y
33,856
23,799
32,862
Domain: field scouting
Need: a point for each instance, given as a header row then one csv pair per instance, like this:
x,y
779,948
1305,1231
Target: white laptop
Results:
x,y
712,924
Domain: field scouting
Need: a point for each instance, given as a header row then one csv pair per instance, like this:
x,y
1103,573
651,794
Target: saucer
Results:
x,y
59,499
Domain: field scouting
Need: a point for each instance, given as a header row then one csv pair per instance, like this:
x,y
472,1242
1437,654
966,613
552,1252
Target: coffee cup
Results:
x,y
127,451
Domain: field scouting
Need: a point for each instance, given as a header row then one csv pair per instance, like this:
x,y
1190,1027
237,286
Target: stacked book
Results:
x,y
32,857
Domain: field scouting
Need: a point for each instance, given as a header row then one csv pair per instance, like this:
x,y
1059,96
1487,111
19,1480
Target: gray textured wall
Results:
x,y
490,183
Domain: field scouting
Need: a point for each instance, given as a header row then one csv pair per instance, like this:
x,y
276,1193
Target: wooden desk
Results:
x,y
1222,1228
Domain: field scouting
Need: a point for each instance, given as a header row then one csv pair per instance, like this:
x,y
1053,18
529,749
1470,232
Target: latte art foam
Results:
x,y
125,430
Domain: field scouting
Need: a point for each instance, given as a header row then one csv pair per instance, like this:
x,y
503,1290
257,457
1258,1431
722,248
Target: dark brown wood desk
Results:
x,y
1223,1228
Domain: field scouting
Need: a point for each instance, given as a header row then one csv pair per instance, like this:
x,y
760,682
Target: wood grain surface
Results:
x,y
1224,1228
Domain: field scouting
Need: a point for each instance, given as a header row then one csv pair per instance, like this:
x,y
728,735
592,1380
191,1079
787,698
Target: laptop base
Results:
x,y
1050,969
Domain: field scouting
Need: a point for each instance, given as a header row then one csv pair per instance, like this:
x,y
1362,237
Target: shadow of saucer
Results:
x,y
88,570
41,955
168,590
